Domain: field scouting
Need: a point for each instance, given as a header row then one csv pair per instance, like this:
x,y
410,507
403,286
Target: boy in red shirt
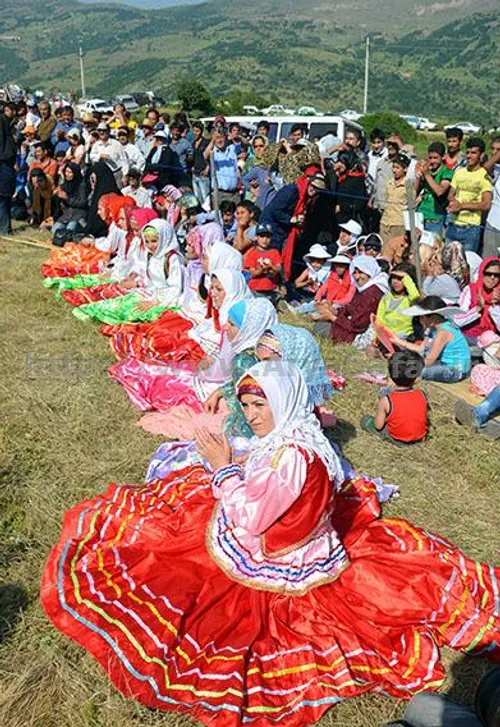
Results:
x,y
264,263
402,413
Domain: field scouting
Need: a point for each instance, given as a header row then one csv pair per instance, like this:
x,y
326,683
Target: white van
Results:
x,y
315,127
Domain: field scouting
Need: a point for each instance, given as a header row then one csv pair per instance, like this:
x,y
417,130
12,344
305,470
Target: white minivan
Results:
x,y
315,127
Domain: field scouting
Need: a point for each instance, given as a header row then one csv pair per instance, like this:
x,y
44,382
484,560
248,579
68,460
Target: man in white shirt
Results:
x,y
135,160
491,240
377,152
109,151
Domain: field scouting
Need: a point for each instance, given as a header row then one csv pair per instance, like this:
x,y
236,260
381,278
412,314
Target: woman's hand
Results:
x,y
212,403
213,447
129,283
205,363
146,305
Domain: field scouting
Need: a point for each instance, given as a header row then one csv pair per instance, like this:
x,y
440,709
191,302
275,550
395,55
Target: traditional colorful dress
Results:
x,y
125,250
177,336
75,259
160,277
258,594
167,389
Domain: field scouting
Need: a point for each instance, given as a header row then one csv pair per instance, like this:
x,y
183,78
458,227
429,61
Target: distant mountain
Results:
x,y
144,4
293,51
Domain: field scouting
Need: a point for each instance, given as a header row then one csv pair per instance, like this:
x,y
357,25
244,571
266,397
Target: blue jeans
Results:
x,y
441,372
436,710
435,227
5,220
71,226
489,407
201,187
468,235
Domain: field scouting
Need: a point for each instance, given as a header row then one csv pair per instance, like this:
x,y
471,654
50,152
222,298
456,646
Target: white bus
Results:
x,y
315,127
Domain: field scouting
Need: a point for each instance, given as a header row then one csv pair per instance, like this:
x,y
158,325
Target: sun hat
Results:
x,y
319,252
340,259
487,338
418,310
88,118
317,181
352,226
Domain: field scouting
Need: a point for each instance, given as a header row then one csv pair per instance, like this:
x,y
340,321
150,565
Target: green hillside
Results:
x,y
293,52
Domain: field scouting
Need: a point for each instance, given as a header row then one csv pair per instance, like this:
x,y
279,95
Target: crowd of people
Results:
x,y
252,577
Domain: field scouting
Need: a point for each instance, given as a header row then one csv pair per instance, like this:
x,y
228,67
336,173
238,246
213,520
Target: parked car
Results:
x,y
251,110
465,126
427,125
278,110
88,106
307,111
350,114
411,120
129,102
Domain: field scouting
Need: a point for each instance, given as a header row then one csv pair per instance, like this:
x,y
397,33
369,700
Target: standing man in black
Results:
x,y
8,153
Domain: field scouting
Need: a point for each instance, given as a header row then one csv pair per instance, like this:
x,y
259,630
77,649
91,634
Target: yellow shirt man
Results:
x,y
469,186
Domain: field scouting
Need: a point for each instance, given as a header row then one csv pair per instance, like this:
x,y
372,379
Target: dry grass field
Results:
x,y
67,431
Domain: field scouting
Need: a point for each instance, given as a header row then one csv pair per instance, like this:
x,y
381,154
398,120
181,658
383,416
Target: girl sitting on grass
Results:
x,y
445,349
402,294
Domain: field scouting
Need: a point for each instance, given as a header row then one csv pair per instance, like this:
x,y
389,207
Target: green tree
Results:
x,y
193,95
391,123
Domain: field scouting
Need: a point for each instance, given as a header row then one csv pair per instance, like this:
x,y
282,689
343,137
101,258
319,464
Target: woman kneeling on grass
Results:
x,y
258,592
157,284
445,349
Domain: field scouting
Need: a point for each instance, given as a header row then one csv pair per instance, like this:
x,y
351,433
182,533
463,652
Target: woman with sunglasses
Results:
x,y
478,298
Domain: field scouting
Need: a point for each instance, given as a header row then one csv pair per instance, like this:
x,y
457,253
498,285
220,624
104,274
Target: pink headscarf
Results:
x,y
143,215
172,194
210,233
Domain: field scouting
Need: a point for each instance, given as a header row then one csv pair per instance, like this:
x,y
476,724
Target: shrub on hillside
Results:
x,y
193,95
391,123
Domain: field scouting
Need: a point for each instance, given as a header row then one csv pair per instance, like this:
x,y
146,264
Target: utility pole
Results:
x,y
367,71
410,191
82,72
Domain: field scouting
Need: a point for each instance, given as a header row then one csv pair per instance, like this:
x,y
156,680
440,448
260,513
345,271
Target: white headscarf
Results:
x,y
235,287
154,263
221,255
259,315
295,424
369,266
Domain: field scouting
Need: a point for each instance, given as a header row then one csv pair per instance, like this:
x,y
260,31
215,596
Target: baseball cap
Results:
x,y
265,228
102,127
353,227
402,158
148,123
73,132
160,134
88,118
29,130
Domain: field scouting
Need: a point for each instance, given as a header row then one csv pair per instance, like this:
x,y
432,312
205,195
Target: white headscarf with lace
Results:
x,y
294,420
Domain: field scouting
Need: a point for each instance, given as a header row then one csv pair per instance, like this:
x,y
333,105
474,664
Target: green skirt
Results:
x,y
119,310
75,283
